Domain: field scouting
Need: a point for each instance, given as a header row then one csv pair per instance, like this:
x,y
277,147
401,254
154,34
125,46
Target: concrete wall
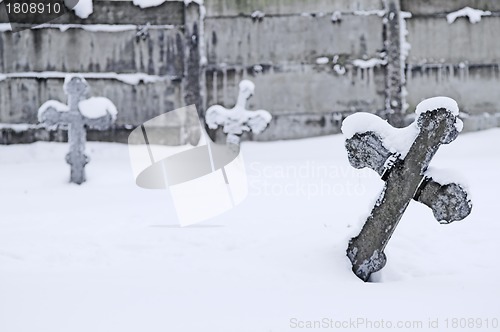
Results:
x,y
460,60
278,51
33,64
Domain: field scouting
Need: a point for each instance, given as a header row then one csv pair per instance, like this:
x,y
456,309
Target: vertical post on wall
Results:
x,y
193,74
394,79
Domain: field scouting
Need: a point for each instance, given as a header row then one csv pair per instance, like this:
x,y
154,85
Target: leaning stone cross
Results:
x,y
80,113
238,119
402,157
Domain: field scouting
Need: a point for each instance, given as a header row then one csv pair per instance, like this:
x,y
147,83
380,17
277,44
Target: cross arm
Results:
x,y
100,123
258,120
53,113
97,112
216,116
367,150
449,202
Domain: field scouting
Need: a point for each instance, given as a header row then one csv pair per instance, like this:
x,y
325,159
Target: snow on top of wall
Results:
x,y
336,16
96,107
16,127
5,27
95,27
380,12
370,63
89,27
339,69
131,79
57,105
134,79
322,60
148,3
154,3
395,139
258,14
474,15
83,8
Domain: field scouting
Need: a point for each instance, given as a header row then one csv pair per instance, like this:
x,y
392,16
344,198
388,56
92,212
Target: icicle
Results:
x,y
214,87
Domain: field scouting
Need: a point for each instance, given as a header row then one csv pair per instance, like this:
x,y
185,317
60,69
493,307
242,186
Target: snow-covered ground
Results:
x,y
108,256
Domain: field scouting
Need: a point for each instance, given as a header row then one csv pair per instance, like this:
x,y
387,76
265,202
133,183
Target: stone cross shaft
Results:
x,y
54,113
405,180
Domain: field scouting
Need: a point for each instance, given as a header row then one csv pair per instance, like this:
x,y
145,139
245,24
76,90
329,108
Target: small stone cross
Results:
x,y
80,113
238,119
404,173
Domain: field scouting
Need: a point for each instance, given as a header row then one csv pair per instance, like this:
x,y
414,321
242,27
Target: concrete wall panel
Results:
x,y
301,39
287,7
433,40
476,89
160,53
311,90
22,97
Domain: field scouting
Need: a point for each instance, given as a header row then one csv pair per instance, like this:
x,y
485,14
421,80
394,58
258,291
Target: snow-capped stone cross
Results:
x,y
401,157
80,113
238,119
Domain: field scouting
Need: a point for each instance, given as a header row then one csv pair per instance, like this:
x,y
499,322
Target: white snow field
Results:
x,y
108,256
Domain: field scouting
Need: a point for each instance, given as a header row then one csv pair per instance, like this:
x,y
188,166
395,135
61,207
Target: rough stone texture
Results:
x,y
367,150
448,202
77,90
404,182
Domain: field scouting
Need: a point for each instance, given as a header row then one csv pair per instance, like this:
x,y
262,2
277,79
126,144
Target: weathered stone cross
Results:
x,y
238,119
404,173
80,113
